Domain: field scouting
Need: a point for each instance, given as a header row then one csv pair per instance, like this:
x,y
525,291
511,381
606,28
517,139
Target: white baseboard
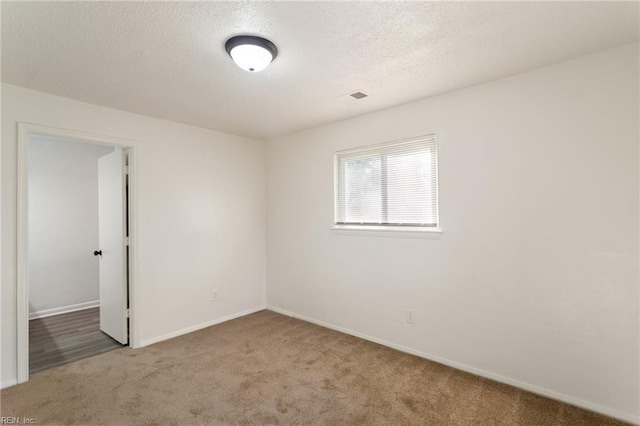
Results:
x,y
151,341
8,383
64,309
591,406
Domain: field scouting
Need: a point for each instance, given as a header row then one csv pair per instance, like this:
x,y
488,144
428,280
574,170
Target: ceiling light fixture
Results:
x,y
251,53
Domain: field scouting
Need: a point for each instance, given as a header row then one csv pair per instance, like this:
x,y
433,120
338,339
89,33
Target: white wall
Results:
x,y
535,278
201,215
63,223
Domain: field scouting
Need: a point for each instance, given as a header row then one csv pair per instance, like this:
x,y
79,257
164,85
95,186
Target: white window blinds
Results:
x,y
394,184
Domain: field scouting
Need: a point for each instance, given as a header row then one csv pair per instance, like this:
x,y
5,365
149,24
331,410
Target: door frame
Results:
x,y
25,130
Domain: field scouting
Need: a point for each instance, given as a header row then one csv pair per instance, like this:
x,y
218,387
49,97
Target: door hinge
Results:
x,y
125,170
127,313
126,241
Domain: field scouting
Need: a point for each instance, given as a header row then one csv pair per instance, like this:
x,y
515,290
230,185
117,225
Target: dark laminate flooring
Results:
x,y
65,338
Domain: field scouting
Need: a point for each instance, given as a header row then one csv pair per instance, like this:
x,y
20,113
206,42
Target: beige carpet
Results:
x,y
267,368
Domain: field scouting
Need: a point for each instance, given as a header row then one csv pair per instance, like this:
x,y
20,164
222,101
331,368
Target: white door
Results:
x,y
111,234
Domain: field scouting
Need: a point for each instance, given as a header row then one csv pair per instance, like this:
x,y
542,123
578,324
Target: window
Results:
x,y
389,185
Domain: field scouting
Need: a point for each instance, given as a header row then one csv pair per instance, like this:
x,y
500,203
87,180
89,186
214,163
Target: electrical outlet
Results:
x,y
214,296
411,316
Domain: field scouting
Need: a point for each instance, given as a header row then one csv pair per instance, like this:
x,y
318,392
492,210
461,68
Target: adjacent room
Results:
x,y
72,314
330,213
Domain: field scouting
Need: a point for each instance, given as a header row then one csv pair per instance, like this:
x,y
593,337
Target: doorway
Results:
x,y
75,236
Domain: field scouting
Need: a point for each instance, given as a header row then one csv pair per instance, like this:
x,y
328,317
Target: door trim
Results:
x,y
22,291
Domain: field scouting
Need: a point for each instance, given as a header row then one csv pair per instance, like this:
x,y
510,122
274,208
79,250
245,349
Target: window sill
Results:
x,y
387,231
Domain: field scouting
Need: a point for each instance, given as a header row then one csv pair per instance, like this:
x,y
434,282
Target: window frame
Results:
x,y
386,229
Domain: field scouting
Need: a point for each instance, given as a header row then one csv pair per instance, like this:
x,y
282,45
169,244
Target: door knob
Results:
x,y
97,253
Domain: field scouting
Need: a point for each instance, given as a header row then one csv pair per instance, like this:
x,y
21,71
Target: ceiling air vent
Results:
x,y
358,95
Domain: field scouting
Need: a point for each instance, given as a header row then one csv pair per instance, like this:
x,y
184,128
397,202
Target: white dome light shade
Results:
x,y
251,53
250,57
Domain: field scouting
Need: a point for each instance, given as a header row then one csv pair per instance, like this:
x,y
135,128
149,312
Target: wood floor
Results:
x,y
65,338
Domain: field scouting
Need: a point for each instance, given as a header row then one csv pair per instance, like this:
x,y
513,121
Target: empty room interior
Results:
x,y
332,213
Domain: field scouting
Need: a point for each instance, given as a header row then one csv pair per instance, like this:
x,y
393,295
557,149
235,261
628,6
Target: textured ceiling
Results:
x,y
167,59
